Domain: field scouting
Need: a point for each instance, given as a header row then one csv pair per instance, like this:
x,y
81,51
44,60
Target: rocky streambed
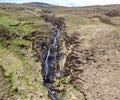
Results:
x,y
51,56
50,63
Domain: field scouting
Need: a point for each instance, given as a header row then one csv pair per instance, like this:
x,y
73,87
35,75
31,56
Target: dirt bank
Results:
x,y
93,64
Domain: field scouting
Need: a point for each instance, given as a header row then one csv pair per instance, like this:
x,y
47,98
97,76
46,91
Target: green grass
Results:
x,y
20,42
14,58
15,26
13,62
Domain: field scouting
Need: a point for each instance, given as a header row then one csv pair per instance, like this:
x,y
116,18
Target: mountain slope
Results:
x,y
89,45
39,4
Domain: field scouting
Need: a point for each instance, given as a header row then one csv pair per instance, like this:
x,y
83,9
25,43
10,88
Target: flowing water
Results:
x,y
51,66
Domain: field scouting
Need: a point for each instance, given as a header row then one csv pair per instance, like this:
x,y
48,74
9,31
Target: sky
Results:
x,y
68,3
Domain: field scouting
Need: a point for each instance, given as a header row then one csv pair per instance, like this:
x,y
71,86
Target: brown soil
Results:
x,y
94,62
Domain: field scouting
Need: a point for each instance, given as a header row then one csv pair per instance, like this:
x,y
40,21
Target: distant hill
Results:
x,y
39,4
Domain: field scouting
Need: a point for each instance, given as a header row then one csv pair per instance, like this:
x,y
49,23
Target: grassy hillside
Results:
x,y
91,50
89,44
20,76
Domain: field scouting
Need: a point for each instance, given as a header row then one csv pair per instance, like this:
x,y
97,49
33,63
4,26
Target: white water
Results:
x,y
48,60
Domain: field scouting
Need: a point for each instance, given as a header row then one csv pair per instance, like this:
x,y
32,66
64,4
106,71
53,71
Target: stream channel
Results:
x,y
51,68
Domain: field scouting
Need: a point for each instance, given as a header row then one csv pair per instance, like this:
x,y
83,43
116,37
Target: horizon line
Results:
x,y
59,5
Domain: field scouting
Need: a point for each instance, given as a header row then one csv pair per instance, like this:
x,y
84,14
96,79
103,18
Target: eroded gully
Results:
x,y
51,68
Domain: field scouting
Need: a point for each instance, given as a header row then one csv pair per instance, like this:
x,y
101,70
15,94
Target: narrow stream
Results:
x,y
51,66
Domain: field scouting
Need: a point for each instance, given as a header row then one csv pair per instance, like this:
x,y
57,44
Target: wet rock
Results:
x,y
58,75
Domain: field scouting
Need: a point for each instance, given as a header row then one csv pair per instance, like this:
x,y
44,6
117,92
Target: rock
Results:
x,y
58,75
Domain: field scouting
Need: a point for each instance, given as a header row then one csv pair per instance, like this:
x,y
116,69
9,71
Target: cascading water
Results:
x,y
50,57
